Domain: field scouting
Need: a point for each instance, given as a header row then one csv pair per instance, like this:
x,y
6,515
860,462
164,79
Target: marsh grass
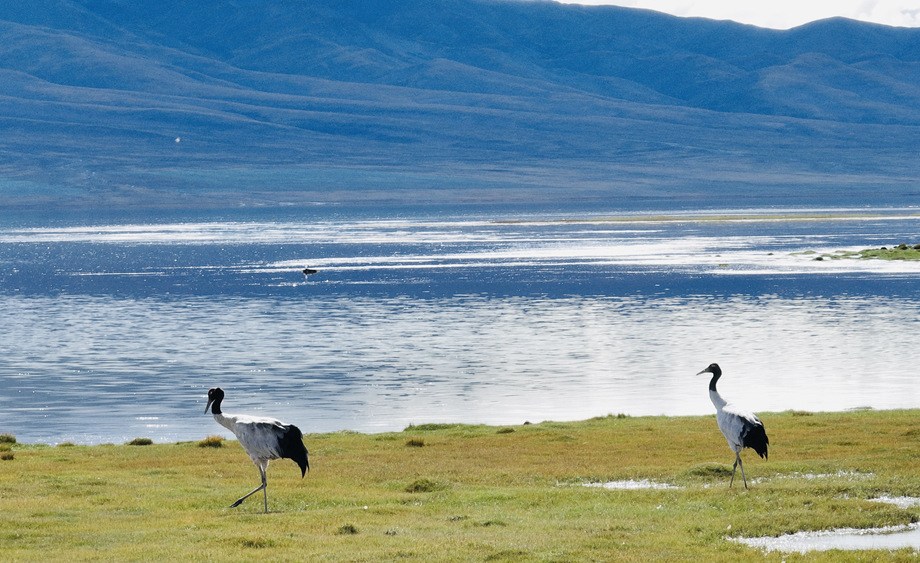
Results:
x,y
473,495
902,251
140,442
424,486
211,442
435,426
899,252
7,439
347,530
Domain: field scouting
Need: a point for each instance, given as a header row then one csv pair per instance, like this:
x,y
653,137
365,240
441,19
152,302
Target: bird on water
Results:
x,y
741,429
264,439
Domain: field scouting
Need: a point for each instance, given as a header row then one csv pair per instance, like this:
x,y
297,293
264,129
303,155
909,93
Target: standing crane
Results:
x,y
741,429
264,439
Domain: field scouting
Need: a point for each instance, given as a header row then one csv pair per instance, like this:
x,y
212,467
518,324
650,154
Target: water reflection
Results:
x,y
90,369
116,331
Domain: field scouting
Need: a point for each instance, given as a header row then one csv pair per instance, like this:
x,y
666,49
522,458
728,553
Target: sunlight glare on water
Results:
x,y
372,364
117,331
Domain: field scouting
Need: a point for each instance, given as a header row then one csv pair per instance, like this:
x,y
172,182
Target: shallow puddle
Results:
x,y
900,502
842,474
631,485
890,537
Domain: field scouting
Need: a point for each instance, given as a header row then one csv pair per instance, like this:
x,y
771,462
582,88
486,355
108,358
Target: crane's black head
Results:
x,y
714,369
215,396
716,372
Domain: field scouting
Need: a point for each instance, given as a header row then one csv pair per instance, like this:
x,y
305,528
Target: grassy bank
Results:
x,y
899,252
470,493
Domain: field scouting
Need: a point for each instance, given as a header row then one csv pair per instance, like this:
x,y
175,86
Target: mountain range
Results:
x,y
175,104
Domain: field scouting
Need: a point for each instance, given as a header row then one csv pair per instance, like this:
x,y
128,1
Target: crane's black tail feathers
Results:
x,y
755,437
292,448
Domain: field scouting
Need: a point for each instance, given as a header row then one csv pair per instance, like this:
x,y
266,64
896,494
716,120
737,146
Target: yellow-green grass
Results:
x,y
468,493
897,252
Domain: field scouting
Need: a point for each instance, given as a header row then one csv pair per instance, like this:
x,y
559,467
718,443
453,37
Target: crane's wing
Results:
x,y
267,438
749,430
291,445
259,437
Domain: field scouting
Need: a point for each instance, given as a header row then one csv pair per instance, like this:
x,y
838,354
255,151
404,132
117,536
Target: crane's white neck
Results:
x,y
224,421
717,399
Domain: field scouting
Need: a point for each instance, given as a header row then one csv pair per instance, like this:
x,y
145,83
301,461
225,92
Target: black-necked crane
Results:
x,y
264,439
741,429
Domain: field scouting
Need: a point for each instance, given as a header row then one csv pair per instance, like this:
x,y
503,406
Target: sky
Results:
x,y
781,14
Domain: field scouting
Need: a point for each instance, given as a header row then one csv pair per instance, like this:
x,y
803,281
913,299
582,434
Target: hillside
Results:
x,y
159,104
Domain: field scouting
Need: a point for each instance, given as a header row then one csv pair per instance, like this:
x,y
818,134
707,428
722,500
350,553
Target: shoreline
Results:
x,y
429,426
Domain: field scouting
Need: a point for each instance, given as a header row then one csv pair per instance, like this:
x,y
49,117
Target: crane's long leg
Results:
x,y
741,463
735,469
264,468
254,491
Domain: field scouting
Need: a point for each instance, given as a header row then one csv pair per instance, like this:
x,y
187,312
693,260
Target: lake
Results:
x,y
116,330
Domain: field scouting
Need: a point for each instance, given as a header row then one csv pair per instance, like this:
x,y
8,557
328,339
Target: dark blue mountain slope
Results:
x,y
187,103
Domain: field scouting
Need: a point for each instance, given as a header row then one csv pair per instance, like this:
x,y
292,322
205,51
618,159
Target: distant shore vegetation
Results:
x,y
903,251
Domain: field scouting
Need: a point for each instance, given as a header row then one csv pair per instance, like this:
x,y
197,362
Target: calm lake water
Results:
x,y
114,331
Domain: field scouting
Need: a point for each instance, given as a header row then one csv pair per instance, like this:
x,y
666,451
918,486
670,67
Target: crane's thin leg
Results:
x,y
734,469
741,463
263,469
240,500
254,491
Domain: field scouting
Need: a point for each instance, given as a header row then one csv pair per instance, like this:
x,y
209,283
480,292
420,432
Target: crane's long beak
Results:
x,y
206,407
700,373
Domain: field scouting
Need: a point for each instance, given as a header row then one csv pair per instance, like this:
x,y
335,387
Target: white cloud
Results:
x,y
781,14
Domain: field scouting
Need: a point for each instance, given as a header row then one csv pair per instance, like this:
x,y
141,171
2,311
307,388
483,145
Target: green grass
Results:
x,y
898,252
140,442
470,494
211,442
